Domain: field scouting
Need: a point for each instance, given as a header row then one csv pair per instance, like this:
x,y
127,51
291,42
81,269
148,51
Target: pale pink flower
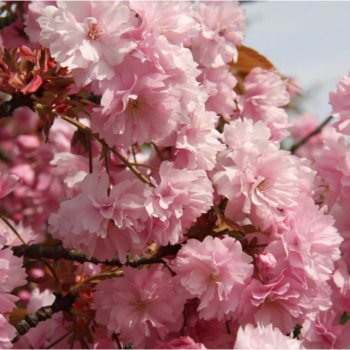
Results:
x,y
281,302
26,232
258,179
8,183
215,271
138,105
91,38
140,302
294,89
198,142
339,99
219,83
222,24
179,199
24,118
333,166
265,93
324,331
179,343
264,337
312,243
7,333
32,27
12,275
103,224
60,135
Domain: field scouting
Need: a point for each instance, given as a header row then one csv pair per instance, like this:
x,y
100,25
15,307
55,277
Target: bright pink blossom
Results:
x,y
180,343
141,302
265,94
103,224
339,99
215,271
179,199
222,24
264,337
88,39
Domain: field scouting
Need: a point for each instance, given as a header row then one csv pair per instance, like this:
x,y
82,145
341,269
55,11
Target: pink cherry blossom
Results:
x,y
12,275
7,333
267,337
312,243
179,199
256,177
265,94
138,303
32,27
325,332
215,271
103,224
180,343
90,39
219,83
138,105
8,183
282,302
339,100
198,142
222,24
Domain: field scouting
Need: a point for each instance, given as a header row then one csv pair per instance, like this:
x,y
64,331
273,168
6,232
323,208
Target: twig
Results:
x,y
146,166
159,153
58,340
99,276
308,137
88,131
62,303
91,169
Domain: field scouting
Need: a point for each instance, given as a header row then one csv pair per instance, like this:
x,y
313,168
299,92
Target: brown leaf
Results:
x,y
227,224
252,229
249,59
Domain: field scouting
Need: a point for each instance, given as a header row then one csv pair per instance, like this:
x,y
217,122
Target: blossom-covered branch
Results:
x,y
37,251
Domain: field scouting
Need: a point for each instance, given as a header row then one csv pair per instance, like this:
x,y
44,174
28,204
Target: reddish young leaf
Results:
x,y
33,85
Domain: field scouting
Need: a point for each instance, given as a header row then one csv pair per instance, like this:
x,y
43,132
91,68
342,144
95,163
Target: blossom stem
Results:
x,y
159,153
80,314
13,229
146,166
59,339
52,270
99,276
228,328
91,170
107,170
88,131
133,153
308,137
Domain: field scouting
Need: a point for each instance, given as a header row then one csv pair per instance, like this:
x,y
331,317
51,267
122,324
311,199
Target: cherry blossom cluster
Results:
x,y
147,196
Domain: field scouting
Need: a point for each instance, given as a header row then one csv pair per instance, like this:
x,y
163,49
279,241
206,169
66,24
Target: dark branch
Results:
x,y
308,137
8,20
18,100
62,303
37,251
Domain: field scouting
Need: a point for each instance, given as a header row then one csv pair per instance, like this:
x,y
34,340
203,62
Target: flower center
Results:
x,y
94,32
212,279
268,301
134,107
263,185
142,305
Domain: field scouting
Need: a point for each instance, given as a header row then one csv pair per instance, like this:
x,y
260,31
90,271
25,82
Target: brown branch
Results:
x,y
62,303
37,251
308,137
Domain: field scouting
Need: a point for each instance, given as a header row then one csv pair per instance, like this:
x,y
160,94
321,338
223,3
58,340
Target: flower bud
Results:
x,y
267,262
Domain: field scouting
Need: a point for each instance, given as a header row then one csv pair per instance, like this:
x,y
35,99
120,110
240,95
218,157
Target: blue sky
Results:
x,y
308,40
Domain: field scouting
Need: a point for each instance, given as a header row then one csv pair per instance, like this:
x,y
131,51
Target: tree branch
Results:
x,y
62,303
308,137
37,251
